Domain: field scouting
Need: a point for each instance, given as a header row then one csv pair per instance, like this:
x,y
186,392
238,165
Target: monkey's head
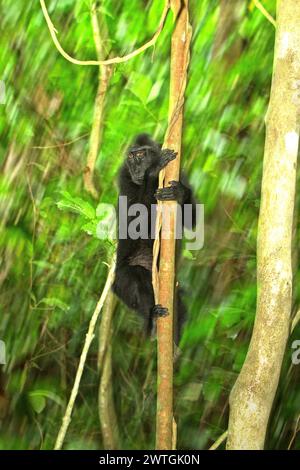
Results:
x,y
139,160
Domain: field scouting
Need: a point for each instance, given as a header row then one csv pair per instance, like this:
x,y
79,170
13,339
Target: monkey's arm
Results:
x,y
163,158
130,191
181,192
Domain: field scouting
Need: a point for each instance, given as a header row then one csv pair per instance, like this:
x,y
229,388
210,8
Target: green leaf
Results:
x,y
230,316
188,254
76,204
37,399
212,389
47,394
140,85
37,402
90,228
54,302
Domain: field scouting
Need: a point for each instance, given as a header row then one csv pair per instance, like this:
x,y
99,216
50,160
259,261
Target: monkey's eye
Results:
x,y
136,154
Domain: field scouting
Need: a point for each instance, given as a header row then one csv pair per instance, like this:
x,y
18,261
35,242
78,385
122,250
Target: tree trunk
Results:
x,y
179,63
106,407
253,394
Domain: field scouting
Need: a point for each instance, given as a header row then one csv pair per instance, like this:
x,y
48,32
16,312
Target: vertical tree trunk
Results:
x,y
179,63
253,394
106,408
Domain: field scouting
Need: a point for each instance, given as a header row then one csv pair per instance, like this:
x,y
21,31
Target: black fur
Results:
x,y
139,182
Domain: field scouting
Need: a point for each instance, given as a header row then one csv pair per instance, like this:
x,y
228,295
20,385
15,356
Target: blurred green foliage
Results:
x,y
53,267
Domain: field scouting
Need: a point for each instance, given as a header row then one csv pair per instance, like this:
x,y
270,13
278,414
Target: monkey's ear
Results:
x,y
143,139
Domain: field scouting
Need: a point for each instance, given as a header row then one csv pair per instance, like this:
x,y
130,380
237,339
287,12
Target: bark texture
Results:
x,y
179,63
106,407
253,394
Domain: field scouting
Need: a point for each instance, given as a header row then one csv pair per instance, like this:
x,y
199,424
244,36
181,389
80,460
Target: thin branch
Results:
x,y
88,340
264,12
105,328
115,60
295,321
63,144
296,430
105,72
174,434
98,38
219,441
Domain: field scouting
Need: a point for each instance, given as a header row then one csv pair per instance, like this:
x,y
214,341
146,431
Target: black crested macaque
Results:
x,y
139,182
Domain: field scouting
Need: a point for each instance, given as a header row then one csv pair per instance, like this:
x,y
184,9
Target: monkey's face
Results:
x,y
139,160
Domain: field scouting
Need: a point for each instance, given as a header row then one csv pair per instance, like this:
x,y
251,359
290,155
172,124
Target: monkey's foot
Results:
x,y
174,192
167,156
159,311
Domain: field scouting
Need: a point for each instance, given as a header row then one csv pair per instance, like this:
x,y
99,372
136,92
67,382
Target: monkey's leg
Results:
x,y
157,311
133,285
